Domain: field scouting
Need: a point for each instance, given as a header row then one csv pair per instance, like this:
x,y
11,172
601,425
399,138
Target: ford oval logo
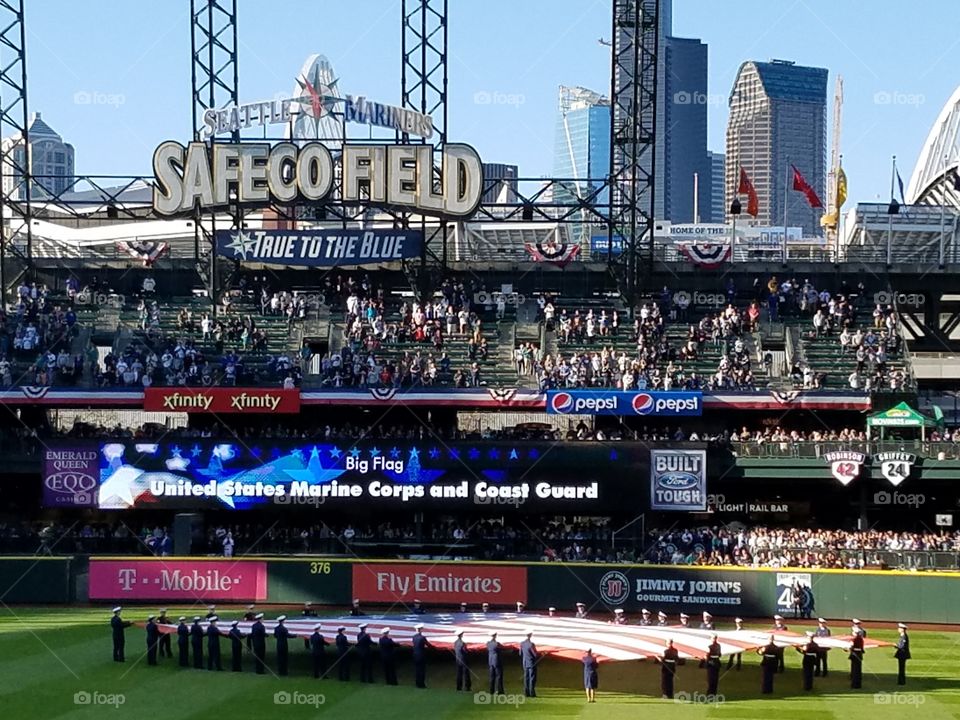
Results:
x,y
70,483
679,481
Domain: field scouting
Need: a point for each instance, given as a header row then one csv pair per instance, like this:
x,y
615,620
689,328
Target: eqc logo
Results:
x,y
614,588
562,402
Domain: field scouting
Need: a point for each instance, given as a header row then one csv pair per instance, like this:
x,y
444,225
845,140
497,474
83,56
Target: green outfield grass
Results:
x,y
49,655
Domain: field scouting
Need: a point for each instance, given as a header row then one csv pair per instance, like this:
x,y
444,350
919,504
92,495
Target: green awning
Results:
x,y
901,415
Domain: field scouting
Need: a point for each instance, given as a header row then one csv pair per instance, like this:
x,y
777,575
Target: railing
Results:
x,y
814,449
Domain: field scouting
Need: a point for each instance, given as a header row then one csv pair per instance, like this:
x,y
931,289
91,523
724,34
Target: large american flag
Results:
x,y
564,637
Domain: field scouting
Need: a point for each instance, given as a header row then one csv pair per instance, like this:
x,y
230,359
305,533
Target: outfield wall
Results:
x,y
871,595
36,580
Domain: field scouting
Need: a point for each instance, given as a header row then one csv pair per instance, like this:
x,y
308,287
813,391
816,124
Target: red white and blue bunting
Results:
x,y
706,255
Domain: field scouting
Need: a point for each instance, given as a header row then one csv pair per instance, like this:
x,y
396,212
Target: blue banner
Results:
x,y
613,402
319,248
678,480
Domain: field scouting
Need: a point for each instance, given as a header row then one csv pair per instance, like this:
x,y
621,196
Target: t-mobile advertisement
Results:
x,y
191,580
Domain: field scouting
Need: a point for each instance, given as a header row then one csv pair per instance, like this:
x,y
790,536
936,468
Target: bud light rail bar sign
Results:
x,y
612,402
678,480
319,248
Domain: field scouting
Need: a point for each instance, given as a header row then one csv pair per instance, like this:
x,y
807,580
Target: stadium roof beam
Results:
x,y
633,119
15,174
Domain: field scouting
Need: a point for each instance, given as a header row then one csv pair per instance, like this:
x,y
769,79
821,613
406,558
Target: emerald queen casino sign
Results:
x,y
210,175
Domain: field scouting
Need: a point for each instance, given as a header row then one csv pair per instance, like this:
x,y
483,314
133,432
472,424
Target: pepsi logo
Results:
x,y
562,402
642,403
678,481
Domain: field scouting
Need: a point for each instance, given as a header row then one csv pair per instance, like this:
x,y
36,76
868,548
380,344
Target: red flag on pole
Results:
x,y
746,188
801,185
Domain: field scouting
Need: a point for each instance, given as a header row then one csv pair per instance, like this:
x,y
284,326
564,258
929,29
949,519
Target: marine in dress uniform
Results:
x,y
211,612
739,655
684,621
857,628
355,610
117,626
668,670
249,616
282,635
236,647
856,660
661,619
902,654
463,607
343,654
461,656
417,608
485,608
365,651
713,662
183,641
153,640
166,644
420,645
387,647
258,640
619,617
645,617
213,645
706,624
581,611
590,675
769,660
809,665
196,642
520,607
529,658
495,665
318,652
821,631
779,627
551,612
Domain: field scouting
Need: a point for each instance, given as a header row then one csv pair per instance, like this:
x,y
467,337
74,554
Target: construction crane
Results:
x,y
831,220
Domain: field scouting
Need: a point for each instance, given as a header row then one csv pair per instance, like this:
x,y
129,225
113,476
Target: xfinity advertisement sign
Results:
x,y
612,402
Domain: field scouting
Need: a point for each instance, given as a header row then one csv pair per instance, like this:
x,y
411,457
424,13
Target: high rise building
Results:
x,y
582,145
506,188
778,118
683,137
51,161
717,208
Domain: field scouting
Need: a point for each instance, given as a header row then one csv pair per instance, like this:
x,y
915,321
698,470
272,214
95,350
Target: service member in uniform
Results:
x,y
211,611
365,651
821,631
461,656
495,664
856,661
809,652
661,619
668,670
420,645
387,647
236,646
779,627
857,628
213,645
318,652
343,655
590,675
485,608
463,607
196,641
581,613
153,640
551,612
307,612
249,616
706,624
902,654
183,641
770,655
684,621
520,607
529,657
258,640
417,608
645,617
117,626
282,635
739,655
355,610
713,661
166,646
619,617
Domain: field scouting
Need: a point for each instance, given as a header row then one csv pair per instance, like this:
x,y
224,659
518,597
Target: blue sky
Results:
x,y
114,77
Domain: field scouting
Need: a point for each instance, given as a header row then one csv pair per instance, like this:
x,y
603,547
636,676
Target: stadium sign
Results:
x,y
177,580
612,402
70,477
895,466
319,248
678,480
206,177
432,583
242,401
845,465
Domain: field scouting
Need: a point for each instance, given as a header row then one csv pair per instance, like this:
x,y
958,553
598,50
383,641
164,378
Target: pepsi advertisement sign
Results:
x,y
613,402
678,480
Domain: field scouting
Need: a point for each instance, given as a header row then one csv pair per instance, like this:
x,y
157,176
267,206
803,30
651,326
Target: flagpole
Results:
x,y
893,176
786,196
